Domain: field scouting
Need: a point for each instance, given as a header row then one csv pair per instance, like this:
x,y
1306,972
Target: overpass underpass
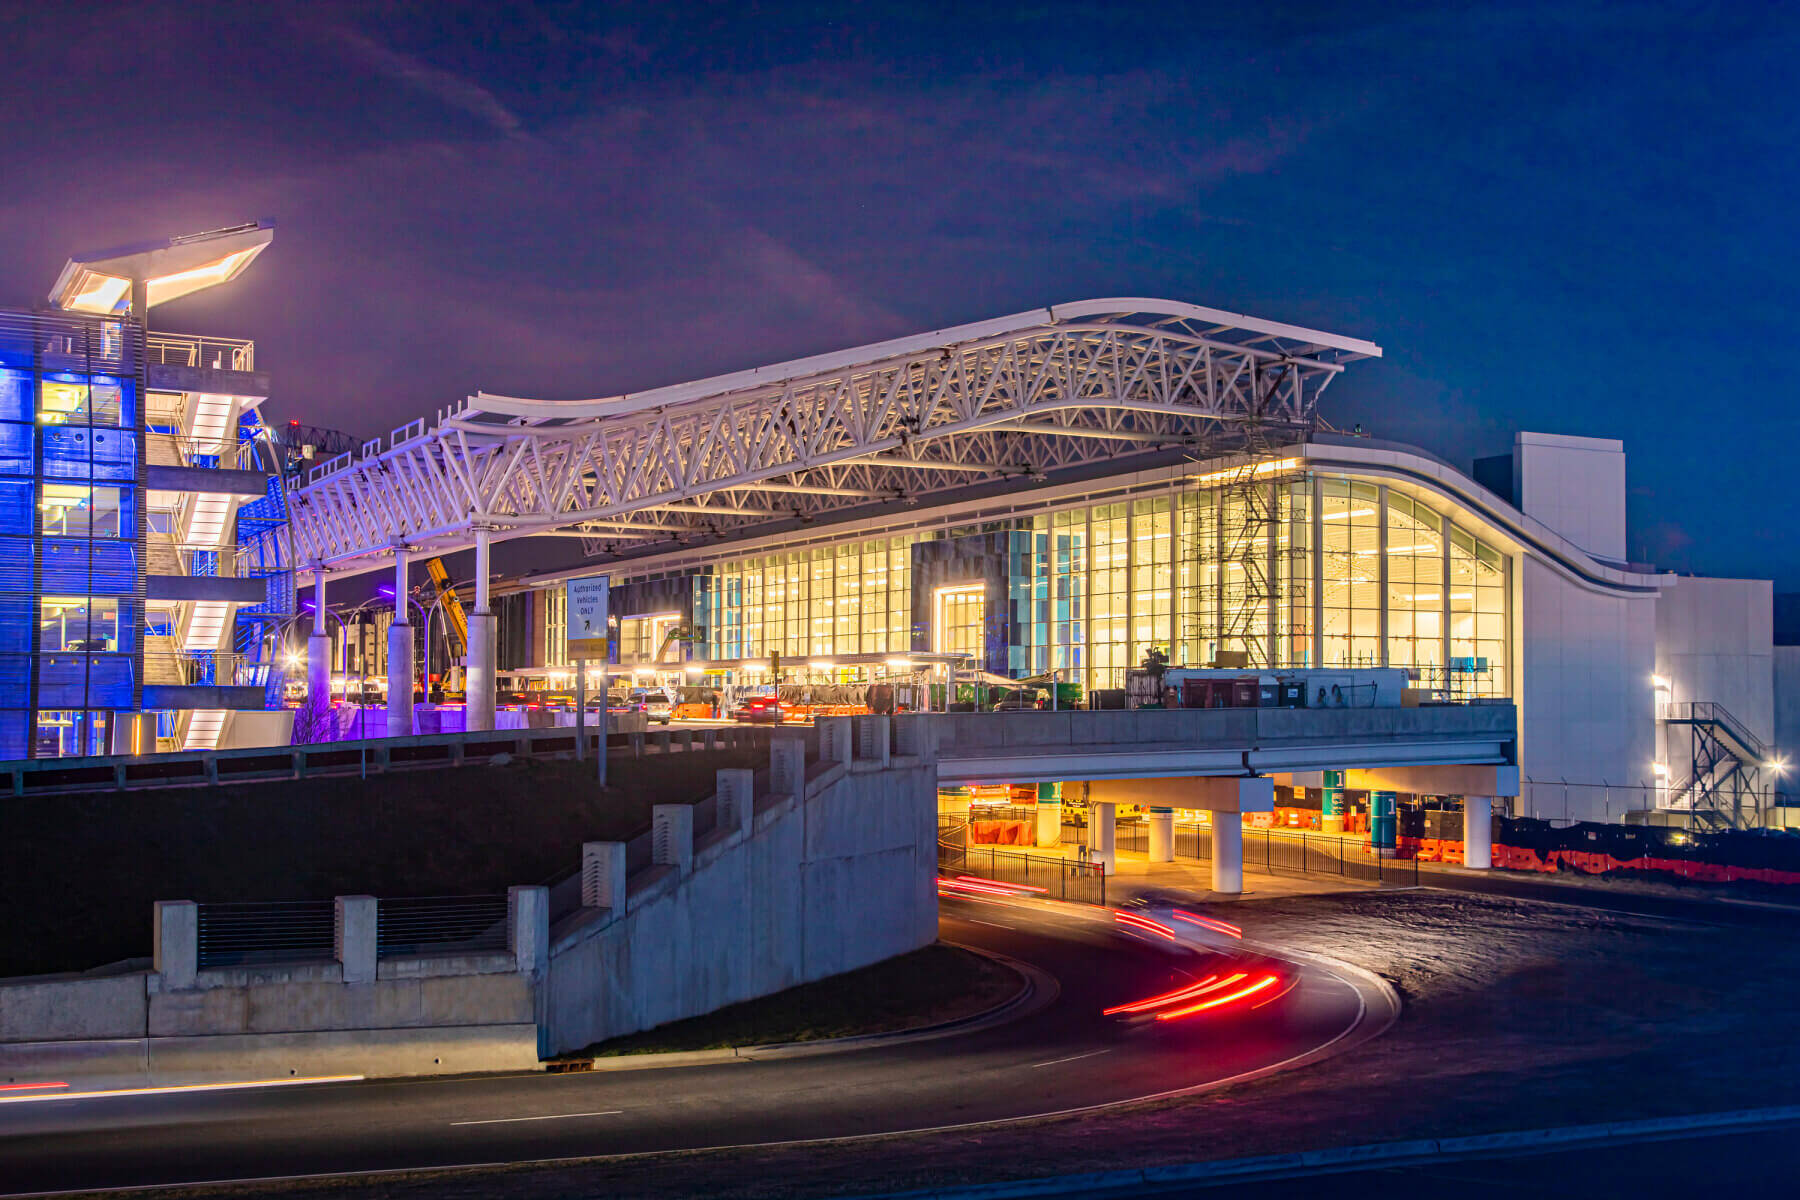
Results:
x,y
1228,761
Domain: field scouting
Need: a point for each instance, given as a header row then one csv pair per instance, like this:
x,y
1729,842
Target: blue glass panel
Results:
x,y
15,396
13,727
15,506
15,449
62,681
115,569
109,681
15,679
65,567
15,564
17,622
115,454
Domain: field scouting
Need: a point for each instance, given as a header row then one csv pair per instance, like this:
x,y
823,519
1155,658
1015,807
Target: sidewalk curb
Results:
x,y
1038,991
1341,1159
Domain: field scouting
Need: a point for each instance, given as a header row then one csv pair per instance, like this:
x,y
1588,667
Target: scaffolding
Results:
x,y
1244,579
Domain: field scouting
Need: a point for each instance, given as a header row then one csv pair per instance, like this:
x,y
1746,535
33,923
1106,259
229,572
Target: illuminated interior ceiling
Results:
x,y
1022,397
101,283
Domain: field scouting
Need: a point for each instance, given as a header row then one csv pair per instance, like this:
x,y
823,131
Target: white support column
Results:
x,y
672,836
528,928
603,875
1227,853
318,646
1101,816
1478,832
175,943
478,670
1162,835
354,938
1049,821
400,655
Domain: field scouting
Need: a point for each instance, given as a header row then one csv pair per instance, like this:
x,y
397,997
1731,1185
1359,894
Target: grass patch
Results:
x,y
926,987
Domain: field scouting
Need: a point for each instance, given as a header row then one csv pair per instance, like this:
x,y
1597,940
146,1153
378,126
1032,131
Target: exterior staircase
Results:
x,y
1724,787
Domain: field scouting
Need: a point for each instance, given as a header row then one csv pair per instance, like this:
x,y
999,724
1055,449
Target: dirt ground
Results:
x,y
1517,1015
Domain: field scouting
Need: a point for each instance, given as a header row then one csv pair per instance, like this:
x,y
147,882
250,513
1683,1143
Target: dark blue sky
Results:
x,y
1565,218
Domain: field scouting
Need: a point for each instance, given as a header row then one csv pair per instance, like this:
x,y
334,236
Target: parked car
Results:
x,y
657,706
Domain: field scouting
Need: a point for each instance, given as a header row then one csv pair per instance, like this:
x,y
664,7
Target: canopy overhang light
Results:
x,y
101,283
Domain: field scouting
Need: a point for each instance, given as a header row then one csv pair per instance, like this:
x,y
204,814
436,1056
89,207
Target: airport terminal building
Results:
x,y
1059,496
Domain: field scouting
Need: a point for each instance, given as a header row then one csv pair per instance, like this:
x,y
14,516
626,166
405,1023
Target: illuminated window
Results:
x,y
80,400
958,616
88,624
76,510
1415,584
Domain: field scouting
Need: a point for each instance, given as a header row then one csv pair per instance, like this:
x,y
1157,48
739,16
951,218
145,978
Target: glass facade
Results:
x,y
1295,571
851,598
71,541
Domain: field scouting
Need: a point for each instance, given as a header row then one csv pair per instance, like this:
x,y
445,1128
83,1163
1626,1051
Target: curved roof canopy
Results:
x,y
101,282
1026,396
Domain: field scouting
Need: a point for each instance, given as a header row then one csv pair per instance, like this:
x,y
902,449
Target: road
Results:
x,y
1740,1163
1066,1055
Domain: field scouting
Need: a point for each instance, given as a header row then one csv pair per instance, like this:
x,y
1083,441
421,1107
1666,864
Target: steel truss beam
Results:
x,y
1020,396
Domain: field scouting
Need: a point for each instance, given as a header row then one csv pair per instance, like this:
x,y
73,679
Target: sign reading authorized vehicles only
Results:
x,y
587,617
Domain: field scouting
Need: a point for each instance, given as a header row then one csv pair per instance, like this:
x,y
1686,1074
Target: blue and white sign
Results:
x,y
587,618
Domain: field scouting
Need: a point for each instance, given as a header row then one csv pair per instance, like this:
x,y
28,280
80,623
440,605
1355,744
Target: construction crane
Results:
x,y
457,626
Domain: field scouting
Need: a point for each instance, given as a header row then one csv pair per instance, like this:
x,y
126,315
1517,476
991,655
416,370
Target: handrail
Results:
x,y
1713,713
194,350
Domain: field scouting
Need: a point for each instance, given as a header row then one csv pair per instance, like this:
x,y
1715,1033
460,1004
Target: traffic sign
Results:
x,y
587,618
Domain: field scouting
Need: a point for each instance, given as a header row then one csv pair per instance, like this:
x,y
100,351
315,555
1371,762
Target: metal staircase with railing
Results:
x,y
207,430
1725,786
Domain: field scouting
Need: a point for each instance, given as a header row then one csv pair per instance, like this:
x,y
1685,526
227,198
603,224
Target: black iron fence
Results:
x,y
1061,878
440,925
275,932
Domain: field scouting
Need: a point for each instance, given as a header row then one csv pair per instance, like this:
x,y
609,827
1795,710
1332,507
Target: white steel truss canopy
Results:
x,y
1014,397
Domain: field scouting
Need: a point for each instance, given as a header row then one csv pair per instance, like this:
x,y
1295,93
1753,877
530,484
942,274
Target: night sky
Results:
x,y
1564,218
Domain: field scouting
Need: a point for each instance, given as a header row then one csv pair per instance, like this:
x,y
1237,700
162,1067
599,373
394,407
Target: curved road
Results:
x,y
1063,1056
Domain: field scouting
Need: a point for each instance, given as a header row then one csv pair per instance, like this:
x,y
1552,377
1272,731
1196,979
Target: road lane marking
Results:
x,y
611,1112
179,1089
1071,1058
989,924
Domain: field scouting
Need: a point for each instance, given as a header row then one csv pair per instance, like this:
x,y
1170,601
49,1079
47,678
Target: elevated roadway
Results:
x,y
1048,747
1065,1055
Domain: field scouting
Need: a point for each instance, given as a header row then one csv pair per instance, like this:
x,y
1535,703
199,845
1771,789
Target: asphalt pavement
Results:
x,y
1064,1056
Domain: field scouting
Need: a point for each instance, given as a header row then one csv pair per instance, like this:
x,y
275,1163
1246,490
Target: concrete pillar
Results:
x,y
735,794
1478,832
603,875
400,655
874,739
400,680
1332,814
1383,824
1227,853
478,667
175,943
1162,835
528,928
787,767
1049,815
354,937
318,668
1101,817
837,742
672,836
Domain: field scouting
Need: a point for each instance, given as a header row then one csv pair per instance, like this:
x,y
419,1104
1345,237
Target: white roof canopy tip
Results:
x,y
1023,395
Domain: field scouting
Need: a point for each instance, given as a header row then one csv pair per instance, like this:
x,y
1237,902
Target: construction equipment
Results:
x,y
456,622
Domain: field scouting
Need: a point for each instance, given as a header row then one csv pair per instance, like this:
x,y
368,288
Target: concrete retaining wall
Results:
x,y
833,873
823,883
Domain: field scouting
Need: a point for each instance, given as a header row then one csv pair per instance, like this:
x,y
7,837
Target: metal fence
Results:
x,y
1277,852
272,932
440,925
1061,878
1272,851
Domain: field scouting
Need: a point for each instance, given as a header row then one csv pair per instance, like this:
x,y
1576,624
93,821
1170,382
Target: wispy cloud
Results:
x,y
445,86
